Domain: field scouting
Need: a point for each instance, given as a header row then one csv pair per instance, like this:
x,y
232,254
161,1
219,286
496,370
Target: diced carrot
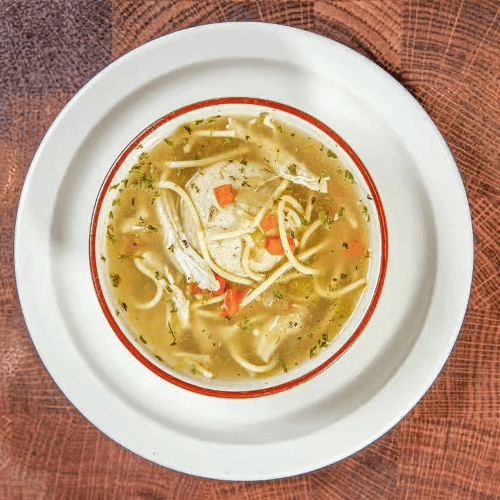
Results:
x,y
232,302
222,288
195,289
274,246
224,194
269,222
354,248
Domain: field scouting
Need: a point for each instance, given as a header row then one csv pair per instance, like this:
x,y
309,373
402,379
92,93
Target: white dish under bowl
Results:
x,y
385,372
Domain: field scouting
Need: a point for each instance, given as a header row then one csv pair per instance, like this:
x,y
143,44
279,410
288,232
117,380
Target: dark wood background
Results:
x,y
447,54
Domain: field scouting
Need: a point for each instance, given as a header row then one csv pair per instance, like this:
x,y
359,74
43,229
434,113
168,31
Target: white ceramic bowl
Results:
x,y
353,328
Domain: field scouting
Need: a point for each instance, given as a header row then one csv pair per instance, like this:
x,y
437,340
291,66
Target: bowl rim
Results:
x,y
101,296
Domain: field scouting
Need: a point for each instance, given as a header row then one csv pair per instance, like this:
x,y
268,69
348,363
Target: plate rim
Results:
x,y
460,314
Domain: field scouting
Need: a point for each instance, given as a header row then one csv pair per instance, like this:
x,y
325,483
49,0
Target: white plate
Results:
x,y
390,366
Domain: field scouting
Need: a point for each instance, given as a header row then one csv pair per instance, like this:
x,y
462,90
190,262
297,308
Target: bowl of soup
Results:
x,y
238,247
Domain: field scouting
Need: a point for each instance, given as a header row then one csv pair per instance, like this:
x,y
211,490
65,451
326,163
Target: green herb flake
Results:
x,y
143,156
115,279
103,258
141,222
149,227
279,129
194,371
124,306
169,142
115,202
227,140
111,236
171,248
341,211
111,216
197,122
188,129
174,309
139,146
326,218
245,325
156,194
121,258
292,169
282,364
331,154
142,339
159,358
114,186
132,201
179,172
213,118
277,294
174,342
349,176
345,245
243,161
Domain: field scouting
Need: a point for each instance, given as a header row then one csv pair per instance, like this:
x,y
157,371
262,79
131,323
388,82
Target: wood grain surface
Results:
x,y
447,54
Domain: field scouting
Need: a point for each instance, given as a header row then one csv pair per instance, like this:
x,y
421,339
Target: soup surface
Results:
x,y
237,246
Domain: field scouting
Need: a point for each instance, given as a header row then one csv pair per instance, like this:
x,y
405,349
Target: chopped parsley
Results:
x,y
292,169
320,344
227,140
170,143
279,129
143,340
115,279
143,156
282,364
349,176
331,154
110,235
245,325
149,227
174,342
277,294
341,211
188,129
243,161
326,218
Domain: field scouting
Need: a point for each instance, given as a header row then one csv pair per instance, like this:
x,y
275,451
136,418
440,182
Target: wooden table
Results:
x,y
447,54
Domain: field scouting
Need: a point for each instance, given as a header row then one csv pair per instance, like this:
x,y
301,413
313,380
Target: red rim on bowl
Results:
x,y
237,394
